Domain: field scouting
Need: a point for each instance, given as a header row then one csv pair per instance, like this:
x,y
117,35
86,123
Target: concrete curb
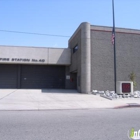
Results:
x,y
51,109
56,109
127,106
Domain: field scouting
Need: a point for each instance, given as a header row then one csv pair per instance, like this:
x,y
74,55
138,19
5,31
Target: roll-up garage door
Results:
x,y
42,76
8,76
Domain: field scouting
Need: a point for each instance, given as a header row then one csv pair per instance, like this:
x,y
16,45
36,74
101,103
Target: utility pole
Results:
x,y
114,44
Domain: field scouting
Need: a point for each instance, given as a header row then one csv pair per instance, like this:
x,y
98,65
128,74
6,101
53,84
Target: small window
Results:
x,y
75,48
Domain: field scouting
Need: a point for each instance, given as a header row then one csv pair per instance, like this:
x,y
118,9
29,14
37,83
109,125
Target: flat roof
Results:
x,y
31,47
117,29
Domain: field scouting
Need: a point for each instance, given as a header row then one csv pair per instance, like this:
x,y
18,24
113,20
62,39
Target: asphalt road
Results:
x,y
103,124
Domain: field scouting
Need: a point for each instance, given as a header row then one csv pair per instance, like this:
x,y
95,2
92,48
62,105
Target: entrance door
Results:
x,y
8,76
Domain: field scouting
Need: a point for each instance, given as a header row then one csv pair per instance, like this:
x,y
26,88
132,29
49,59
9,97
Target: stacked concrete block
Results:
x,y
112,95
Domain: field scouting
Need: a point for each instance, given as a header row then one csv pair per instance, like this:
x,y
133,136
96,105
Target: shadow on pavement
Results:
x,y
62,91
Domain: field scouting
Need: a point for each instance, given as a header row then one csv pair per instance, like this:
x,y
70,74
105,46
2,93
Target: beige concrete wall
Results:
x,y
81,59
59,56
34,55
76,57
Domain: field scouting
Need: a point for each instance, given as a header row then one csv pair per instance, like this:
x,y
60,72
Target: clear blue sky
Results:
x,y
60,17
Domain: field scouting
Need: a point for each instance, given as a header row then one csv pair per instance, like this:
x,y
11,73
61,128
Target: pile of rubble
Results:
x,y
112,95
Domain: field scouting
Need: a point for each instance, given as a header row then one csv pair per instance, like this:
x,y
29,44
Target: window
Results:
x,y
75,48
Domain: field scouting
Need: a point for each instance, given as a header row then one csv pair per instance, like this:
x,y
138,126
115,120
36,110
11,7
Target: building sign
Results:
x,y
67,76
21,60
126,87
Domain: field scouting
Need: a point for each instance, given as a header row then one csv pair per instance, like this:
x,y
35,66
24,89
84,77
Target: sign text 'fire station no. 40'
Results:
x,y
21,60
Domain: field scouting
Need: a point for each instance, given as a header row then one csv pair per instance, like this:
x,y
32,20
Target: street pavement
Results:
x,y
28,99
90,124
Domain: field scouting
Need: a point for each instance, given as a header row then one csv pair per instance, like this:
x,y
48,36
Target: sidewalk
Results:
x,y
22,99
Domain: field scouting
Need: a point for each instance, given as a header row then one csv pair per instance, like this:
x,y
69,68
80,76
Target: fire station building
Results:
x,y
86,64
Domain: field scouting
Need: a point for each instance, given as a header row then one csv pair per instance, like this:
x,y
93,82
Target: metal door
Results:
x,y
42,76
8,76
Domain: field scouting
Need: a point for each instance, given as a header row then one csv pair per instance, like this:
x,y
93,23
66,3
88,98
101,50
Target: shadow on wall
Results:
x,y
64,57
62,91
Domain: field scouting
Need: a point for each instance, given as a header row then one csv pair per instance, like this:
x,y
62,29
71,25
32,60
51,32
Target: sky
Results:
x,y
60,17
